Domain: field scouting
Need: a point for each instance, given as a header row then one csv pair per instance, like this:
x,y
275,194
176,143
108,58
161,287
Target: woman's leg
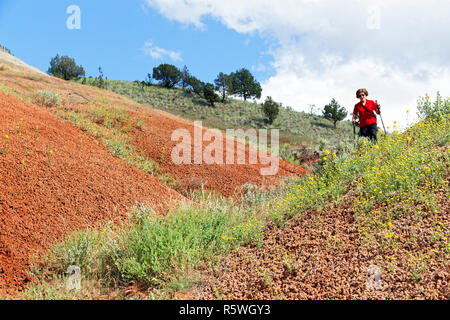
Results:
x,y
373,131
369,131
363,131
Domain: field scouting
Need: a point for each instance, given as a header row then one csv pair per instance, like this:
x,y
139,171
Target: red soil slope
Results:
x,y
227,179
53,180
320,255
155,138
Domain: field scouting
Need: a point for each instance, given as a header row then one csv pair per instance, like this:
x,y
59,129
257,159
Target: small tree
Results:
x,y
168,75
65,68
245,85
224,84
196,85
334,112
184,76
148,80
209,94
312,109
100,81
271,109
2,48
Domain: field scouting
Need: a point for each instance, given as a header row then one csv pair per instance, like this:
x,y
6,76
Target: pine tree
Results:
x,y
271,109
65,68
334,112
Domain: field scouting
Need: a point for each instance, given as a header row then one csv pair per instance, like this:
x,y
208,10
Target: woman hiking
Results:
x,y
365,109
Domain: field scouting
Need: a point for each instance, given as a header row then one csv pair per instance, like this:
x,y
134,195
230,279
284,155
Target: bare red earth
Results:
x,y
227,179
53,180
320,255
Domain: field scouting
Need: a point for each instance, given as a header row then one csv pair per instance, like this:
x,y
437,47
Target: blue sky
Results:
x,y
302,51
113,35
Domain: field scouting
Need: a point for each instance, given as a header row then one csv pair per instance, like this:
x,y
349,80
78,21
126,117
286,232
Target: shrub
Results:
x,y
437,109
46,98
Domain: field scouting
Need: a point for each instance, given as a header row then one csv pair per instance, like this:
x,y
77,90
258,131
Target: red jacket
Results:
x,y
366,118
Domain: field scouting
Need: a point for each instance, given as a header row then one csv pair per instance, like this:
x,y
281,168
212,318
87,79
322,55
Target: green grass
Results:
x,y
160,253
112,124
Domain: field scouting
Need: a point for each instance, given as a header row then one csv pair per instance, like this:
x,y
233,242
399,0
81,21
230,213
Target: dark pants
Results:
x,y
369,131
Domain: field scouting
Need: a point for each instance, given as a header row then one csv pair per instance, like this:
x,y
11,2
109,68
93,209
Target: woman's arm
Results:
x,y
355,115
377,109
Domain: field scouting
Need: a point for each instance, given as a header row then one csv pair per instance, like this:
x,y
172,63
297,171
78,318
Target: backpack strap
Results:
x,y
365,108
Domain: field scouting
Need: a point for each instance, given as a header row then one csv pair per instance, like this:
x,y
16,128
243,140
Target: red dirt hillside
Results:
x,y
153,139
55,179
227,178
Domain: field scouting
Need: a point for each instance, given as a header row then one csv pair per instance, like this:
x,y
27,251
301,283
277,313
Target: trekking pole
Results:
x,y
378,107
354,132
383,124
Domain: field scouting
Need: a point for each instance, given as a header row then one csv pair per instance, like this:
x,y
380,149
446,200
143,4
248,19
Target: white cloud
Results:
x,y
158,53
327,48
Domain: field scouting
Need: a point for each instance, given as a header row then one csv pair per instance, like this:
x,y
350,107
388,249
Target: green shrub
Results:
x,y
119,148
46,98
78,249
437,109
